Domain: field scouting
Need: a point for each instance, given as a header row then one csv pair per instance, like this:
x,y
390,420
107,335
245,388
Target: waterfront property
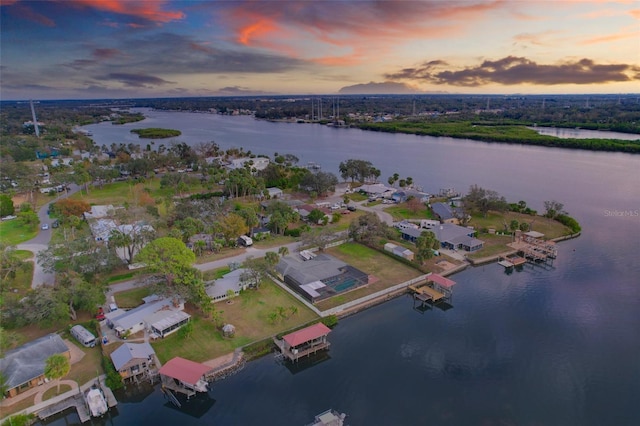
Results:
x,y
304,342
318,276
218,289
184,376
133,360
447,214
451,236
23,367
160,316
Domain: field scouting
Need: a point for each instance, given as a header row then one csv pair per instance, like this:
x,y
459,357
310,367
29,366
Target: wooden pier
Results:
x,y
425,294
76,401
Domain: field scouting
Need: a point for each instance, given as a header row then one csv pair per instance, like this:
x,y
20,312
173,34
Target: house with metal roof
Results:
x,y
23,367
450,236
318,276
217,290
133,360
137,319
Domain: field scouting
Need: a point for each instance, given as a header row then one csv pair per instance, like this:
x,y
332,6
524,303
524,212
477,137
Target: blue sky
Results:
x,y
60,49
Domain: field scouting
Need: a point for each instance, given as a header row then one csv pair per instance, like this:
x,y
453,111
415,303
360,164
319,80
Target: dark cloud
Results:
x,y
105,53
387,87
180,54
513,70
136,80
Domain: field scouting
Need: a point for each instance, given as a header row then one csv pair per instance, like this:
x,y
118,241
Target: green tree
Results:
x,y
10,264
315,216
272,259
29,218
167,256
283,251
553,208
367,228
426,243
6,205
256,270
232,226
56,367
513,225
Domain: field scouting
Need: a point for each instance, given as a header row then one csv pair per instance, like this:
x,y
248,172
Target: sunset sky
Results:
x,y
79,49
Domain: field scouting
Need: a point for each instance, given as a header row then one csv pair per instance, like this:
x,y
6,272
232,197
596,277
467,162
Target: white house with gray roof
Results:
x,y
217,290
142,317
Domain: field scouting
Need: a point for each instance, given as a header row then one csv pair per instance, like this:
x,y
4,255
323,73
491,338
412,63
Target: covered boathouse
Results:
x,y
184,376
304,342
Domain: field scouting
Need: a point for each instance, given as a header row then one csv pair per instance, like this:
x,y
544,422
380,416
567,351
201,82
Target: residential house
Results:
x,y
218,289
258,163
143,317
405,194
99,212
132,360
305,209
446,213
377,190
450,236
23,367
318,276
275,192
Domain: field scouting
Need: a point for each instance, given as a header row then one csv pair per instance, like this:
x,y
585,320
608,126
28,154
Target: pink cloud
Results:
x,y
148,10
359,29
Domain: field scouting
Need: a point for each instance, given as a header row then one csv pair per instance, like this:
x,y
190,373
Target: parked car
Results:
x,y
100,314
351,208
45,226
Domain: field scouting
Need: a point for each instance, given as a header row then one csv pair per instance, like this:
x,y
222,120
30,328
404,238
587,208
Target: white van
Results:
x,y
83,336
245,241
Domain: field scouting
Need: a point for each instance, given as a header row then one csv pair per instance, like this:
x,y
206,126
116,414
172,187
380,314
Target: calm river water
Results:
x,y
555,346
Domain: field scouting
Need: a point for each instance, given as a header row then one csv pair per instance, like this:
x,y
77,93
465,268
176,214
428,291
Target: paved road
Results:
x,y
377,209
41,241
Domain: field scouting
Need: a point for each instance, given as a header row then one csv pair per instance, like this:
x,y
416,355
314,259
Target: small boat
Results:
x,y
96,401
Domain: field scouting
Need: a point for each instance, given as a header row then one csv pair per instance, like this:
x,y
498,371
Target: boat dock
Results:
x,y
425,294
76,401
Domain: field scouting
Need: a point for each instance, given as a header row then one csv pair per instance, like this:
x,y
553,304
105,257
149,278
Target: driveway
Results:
x,y
377,209
41,241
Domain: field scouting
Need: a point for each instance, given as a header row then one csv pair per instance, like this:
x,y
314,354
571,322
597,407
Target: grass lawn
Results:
x,y
345,221
401,211
131,298
493,245
88,367
215,274
249,313
21,283
13,232
53,392
117,193
223,254
388,271
273,241
17,406
357,196
549,227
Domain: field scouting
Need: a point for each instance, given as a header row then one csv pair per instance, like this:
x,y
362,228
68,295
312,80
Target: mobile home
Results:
x,y
83,336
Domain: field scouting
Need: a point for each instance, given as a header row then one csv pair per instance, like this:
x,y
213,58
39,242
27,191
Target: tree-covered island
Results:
x,y
156,133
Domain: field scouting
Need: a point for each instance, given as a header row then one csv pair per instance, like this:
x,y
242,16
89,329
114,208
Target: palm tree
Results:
x,y
56,367
283,251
